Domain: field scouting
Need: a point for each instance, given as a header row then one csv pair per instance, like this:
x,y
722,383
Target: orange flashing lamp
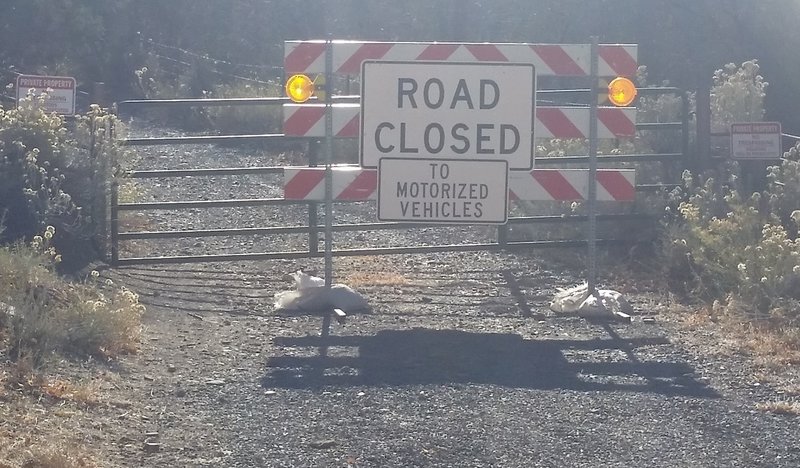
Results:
x,y
621,91
299,88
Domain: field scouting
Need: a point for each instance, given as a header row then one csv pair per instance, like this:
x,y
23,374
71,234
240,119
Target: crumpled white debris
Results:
x,y
604,303
310,294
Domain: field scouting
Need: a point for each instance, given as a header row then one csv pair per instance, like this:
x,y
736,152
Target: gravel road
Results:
x,y
459,362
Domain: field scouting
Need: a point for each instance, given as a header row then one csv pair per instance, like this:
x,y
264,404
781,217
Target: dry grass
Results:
x,y
374,271
378,278
784,407
92,318
39,413
33,420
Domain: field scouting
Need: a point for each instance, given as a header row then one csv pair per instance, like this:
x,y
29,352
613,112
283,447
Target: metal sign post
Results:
x,y
328,163
591,275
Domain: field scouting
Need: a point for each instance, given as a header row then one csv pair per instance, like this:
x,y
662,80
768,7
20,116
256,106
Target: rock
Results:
x,y
151,446
322,444
215,382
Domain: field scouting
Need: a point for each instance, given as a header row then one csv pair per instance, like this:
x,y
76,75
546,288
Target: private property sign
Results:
x,y
60,91
756,140
443,190
448,110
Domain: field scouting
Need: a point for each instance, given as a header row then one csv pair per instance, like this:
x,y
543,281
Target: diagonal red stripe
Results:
x,y
361,188
557,59
351,128
301,121
303,182
556,185
616,185
619,59
558,123
486,53
616,121
372,50
437,52
302,56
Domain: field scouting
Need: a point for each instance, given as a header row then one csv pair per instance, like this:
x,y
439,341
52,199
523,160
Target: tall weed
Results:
x,y
45,314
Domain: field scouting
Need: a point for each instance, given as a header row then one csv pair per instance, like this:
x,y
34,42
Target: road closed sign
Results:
x,y
443,191
447,110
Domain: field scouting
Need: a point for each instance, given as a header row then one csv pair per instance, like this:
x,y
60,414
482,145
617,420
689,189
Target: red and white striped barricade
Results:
x,y
308,57
355,184
308,120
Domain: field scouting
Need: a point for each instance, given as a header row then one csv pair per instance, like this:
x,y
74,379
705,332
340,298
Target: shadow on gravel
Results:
x,y
423,356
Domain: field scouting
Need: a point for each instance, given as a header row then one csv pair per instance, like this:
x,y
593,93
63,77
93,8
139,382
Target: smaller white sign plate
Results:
x,y
756,140
60,91
451,191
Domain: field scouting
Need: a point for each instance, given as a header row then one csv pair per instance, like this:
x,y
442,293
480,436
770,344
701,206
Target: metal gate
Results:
x,y
561,114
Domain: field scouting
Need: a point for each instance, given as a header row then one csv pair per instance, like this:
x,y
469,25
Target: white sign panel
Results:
x,y
443,191
756,140
447,110
60,91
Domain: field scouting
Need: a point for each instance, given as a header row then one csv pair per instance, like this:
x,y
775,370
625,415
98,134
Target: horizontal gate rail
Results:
x,y
231,203
511,245
153,174
607,158
205,139
360,227
216,102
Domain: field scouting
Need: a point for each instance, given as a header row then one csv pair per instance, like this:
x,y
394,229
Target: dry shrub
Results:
x,y
374,271
785,407
58,457
94,318
382,278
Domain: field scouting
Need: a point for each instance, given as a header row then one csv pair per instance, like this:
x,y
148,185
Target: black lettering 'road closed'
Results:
x,y
448,110
488,138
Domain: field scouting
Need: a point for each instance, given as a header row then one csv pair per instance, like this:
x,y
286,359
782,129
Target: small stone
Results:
x,y
180,392
171,368
215,382
151,447
649,320
270,392
322,444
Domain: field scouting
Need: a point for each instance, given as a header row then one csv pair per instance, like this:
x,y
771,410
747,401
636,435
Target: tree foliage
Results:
x,y
683,41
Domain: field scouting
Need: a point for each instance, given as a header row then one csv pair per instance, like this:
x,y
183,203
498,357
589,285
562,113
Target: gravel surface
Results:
x,y
459,363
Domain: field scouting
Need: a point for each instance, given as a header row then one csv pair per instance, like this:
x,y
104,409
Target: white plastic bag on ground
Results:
x,y
605,303
310,294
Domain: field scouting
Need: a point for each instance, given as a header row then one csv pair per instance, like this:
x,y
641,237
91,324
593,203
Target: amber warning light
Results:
x,y
621,91
299,88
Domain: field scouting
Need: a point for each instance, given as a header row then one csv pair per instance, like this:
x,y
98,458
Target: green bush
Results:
x,y
737,95
32,169
56,173
724,244
721,246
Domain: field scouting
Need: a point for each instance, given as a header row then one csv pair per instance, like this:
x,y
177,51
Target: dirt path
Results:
x,y
459,363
